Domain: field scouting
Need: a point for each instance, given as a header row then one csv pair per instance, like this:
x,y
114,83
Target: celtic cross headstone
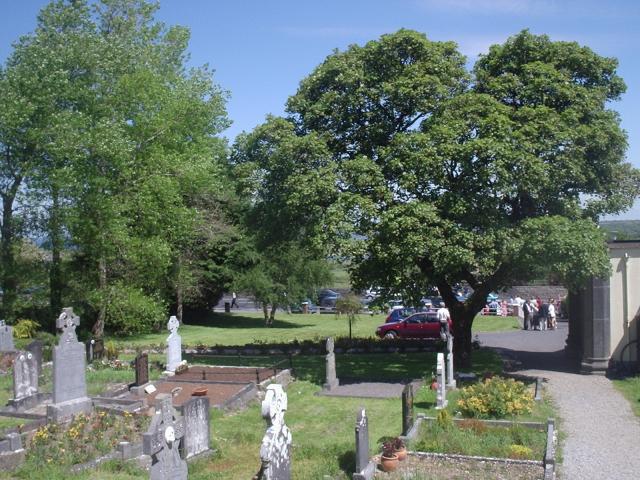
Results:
x,y
275,452
162,442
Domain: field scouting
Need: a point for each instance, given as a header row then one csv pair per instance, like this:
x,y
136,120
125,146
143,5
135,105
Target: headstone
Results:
x,y
6,338
142,369
95,349
174,345
365,469
35,348
330,360
69,383
195,413
407,409
25,375
441,397
538,394
275,452
450,378
162,442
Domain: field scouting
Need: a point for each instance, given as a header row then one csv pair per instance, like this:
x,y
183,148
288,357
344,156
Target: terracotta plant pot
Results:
x,y
389,464
434,385
402,454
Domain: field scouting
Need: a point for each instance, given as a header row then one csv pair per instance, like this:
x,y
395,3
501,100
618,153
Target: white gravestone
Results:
x,y
25,375
174,345
69,382
6,338
162,442
441,398
195,413
450,377
275,452
330,362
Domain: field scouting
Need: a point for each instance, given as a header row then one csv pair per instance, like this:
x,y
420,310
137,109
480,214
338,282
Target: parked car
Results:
x,y
327,299
399,313
418,325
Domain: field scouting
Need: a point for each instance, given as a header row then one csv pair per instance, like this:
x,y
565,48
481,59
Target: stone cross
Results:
x,y
331,381
195,413
275,452
441,397
142,369
69,382
162,442
25,375
6,338
364,468
407,409
174,345
450,377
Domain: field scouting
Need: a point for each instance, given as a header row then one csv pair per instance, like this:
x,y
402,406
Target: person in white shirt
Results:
x,y
552,314
443,318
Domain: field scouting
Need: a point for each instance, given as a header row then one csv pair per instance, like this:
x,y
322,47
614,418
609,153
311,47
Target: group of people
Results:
x,y
539,315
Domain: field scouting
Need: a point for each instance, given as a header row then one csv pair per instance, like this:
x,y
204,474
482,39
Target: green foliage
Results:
x,y
25,328
444,419
495,397
111,350
349,305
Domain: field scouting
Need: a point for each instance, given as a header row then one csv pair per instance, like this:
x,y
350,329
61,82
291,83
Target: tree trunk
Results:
x,y
9,279
98,327
55,272
265,311
272,315
179,290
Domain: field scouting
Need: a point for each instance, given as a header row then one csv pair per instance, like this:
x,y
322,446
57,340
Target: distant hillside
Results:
x,y
622,229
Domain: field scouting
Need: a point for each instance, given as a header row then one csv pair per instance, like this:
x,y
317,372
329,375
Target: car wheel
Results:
x,y
390,335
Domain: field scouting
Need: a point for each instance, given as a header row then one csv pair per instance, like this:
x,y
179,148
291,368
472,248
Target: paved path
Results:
x,y
602,433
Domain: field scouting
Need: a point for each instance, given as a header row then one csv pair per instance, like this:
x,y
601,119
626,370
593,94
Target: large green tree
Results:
x,y
485,177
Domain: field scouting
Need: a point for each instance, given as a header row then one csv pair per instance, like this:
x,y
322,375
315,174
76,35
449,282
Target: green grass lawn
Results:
x,y
630,388
248,327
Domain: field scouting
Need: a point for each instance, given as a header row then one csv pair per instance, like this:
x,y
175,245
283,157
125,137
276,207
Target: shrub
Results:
x,y
495,397
477,426
25,328
444,419
111,350
520,452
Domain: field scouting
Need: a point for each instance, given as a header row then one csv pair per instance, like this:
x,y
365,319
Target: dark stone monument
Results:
x,y
35,348
6,338
69,383
162,442
25,376
275,452
195,413
142,369
365,469
407,409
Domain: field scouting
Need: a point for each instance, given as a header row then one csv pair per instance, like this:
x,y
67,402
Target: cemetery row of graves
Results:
x,y
196,415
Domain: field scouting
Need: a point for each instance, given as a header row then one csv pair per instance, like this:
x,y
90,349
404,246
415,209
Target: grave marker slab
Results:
x,y
6,338
142,369
407,409
331,381
450,377
69,382
196,425
162,442
35,348
441,397
25,375
174,345
275,452
365,469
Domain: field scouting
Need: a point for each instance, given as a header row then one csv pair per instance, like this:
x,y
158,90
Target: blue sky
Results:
x,y
261,49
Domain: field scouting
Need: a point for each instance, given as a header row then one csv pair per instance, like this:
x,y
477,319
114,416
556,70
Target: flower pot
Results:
x,y
401,453
434,385
389,464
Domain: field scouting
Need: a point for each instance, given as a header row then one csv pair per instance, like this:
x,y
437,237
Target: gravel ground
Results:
x,y
436,468
602,433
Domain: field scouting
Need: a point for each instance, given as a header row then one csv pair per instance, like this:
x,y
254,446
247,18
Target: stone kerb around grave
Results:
x,y
69,370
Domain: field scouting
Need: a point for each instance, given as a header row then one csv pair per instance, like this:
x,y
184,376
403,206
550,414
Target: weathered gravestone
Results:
x,y
330,360
195,413
69,383
407,409
450,377
142,369
275,452
25,375
365,469
162,442
174,345
6,338
441,397
35,348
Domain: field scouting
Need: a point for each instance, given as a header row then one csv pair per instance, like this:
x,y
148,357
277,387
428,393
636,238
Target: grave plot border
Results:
x,y
548,463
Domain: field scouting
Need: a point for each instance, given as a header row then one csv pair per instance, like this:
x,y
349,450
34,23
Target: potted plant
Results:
x,y
389,459
400,449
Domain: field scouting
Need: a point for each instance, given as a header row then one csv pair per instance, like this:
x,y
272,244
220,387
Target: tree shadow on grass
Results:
x,y
426,405
347,462
223,320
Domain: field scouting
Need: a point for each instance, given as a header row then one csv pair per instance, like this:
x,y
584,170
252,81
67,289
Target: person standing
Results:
x,y
552,314
528,319
544,316
234,300
444,318
535,317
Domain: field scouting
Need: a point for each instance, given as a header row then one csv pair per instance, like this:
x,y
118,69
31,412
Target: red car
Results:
x,y
418,325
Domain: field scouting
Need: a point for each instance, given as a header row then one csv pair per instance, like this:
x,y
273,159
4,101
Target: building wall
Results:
x,y
624,301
